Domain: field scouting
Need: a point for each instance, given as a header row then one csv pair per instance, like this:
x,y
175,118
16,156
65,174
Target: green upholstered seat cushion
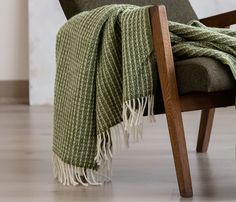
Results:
x,y
177,10
203,74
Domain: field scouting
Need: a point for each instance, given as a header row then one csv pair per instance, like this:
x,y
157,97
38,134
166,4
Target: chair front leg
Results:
x,y
166,72
179,149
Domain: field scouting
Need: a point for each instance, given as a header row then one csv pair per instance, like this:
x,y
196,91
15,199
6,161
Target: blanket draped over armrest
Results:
x,y
106,78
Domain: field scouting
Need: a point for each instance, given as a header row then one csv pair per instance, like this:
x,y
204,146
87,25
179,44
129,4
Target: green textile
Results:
x,y
106,74
196,40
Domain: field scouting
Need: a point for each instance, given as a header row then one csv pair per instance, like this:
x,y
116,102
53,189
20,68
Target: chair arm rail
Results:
x,y
221,20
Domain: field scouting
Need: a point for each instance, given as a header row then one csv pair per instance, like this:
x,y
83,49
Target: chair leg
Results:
x,y
179,149
166,72
204,134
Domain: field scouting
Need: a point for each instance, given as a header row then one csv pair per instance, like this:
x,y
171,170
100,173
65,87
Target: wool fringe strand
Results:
x,y
133,111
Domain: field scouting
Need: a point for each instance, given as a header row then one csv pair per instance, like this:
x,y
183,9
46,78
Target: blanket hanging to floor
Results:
x,y
106,78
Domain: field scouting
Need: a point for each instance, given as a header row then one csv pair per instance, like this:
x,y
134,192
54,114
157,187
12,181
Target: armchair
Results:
x,y
213,84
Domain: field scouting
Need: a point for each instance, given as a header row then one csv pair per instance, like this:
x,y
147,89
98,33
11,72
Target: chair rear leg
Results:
x,y
204,134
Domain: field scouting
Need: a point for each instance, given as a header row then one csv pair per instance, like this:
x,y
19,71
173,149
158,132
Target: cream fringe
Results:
x,y
108,143
133,111
71,175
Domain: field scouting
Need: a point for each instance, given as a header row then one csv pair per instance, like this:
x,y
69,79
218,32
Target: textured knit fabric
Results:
x,y
93,81
106,74
195,40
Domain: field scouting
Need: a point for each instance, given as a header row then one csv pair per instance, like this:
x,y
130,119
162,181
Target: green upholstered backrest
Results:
x,y
177,10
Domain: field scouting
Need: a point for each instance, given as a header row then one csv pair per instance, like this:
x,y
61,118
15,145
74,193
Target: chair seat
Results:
x,y
203,74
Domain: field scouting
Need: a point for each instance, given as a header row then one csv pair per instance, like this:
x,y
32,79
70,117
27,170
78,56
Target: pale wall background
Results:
x,y
13,40
45,18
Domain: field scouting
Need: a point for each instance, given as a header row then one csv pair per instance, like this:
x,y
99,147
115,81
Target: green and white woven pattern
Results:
x,y
196,40
106,78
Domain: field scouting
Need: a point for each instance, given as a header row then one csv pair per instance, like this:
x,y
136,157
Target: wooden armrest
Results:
x,y
221,20
164,57
163,50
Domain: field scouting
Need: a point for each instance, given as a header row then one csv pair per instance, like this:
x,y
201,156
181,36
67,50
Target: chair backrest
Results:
x,y
177,10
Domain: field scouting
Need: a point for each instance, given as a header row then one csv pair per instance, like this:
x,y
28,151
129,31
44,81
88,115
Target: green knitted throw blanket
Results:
x,y
106,79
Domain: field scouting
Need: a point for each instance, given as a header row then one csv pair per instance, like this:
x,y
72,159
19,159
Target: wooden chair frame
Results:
x,y
175,104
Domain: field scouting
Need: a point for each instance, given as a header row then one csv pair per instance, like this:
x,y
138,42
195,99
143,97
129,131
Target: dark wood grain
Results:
x,y
204,134
200,101
221,20
166,71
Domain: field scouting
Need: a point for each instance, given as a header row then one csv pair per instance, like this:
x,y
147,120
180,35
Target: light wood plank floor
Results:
x,y
144,172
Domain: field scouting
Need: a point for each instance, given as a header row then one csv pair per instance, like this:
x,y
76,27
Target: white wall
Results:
x,y
13,40
205,8
45,19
